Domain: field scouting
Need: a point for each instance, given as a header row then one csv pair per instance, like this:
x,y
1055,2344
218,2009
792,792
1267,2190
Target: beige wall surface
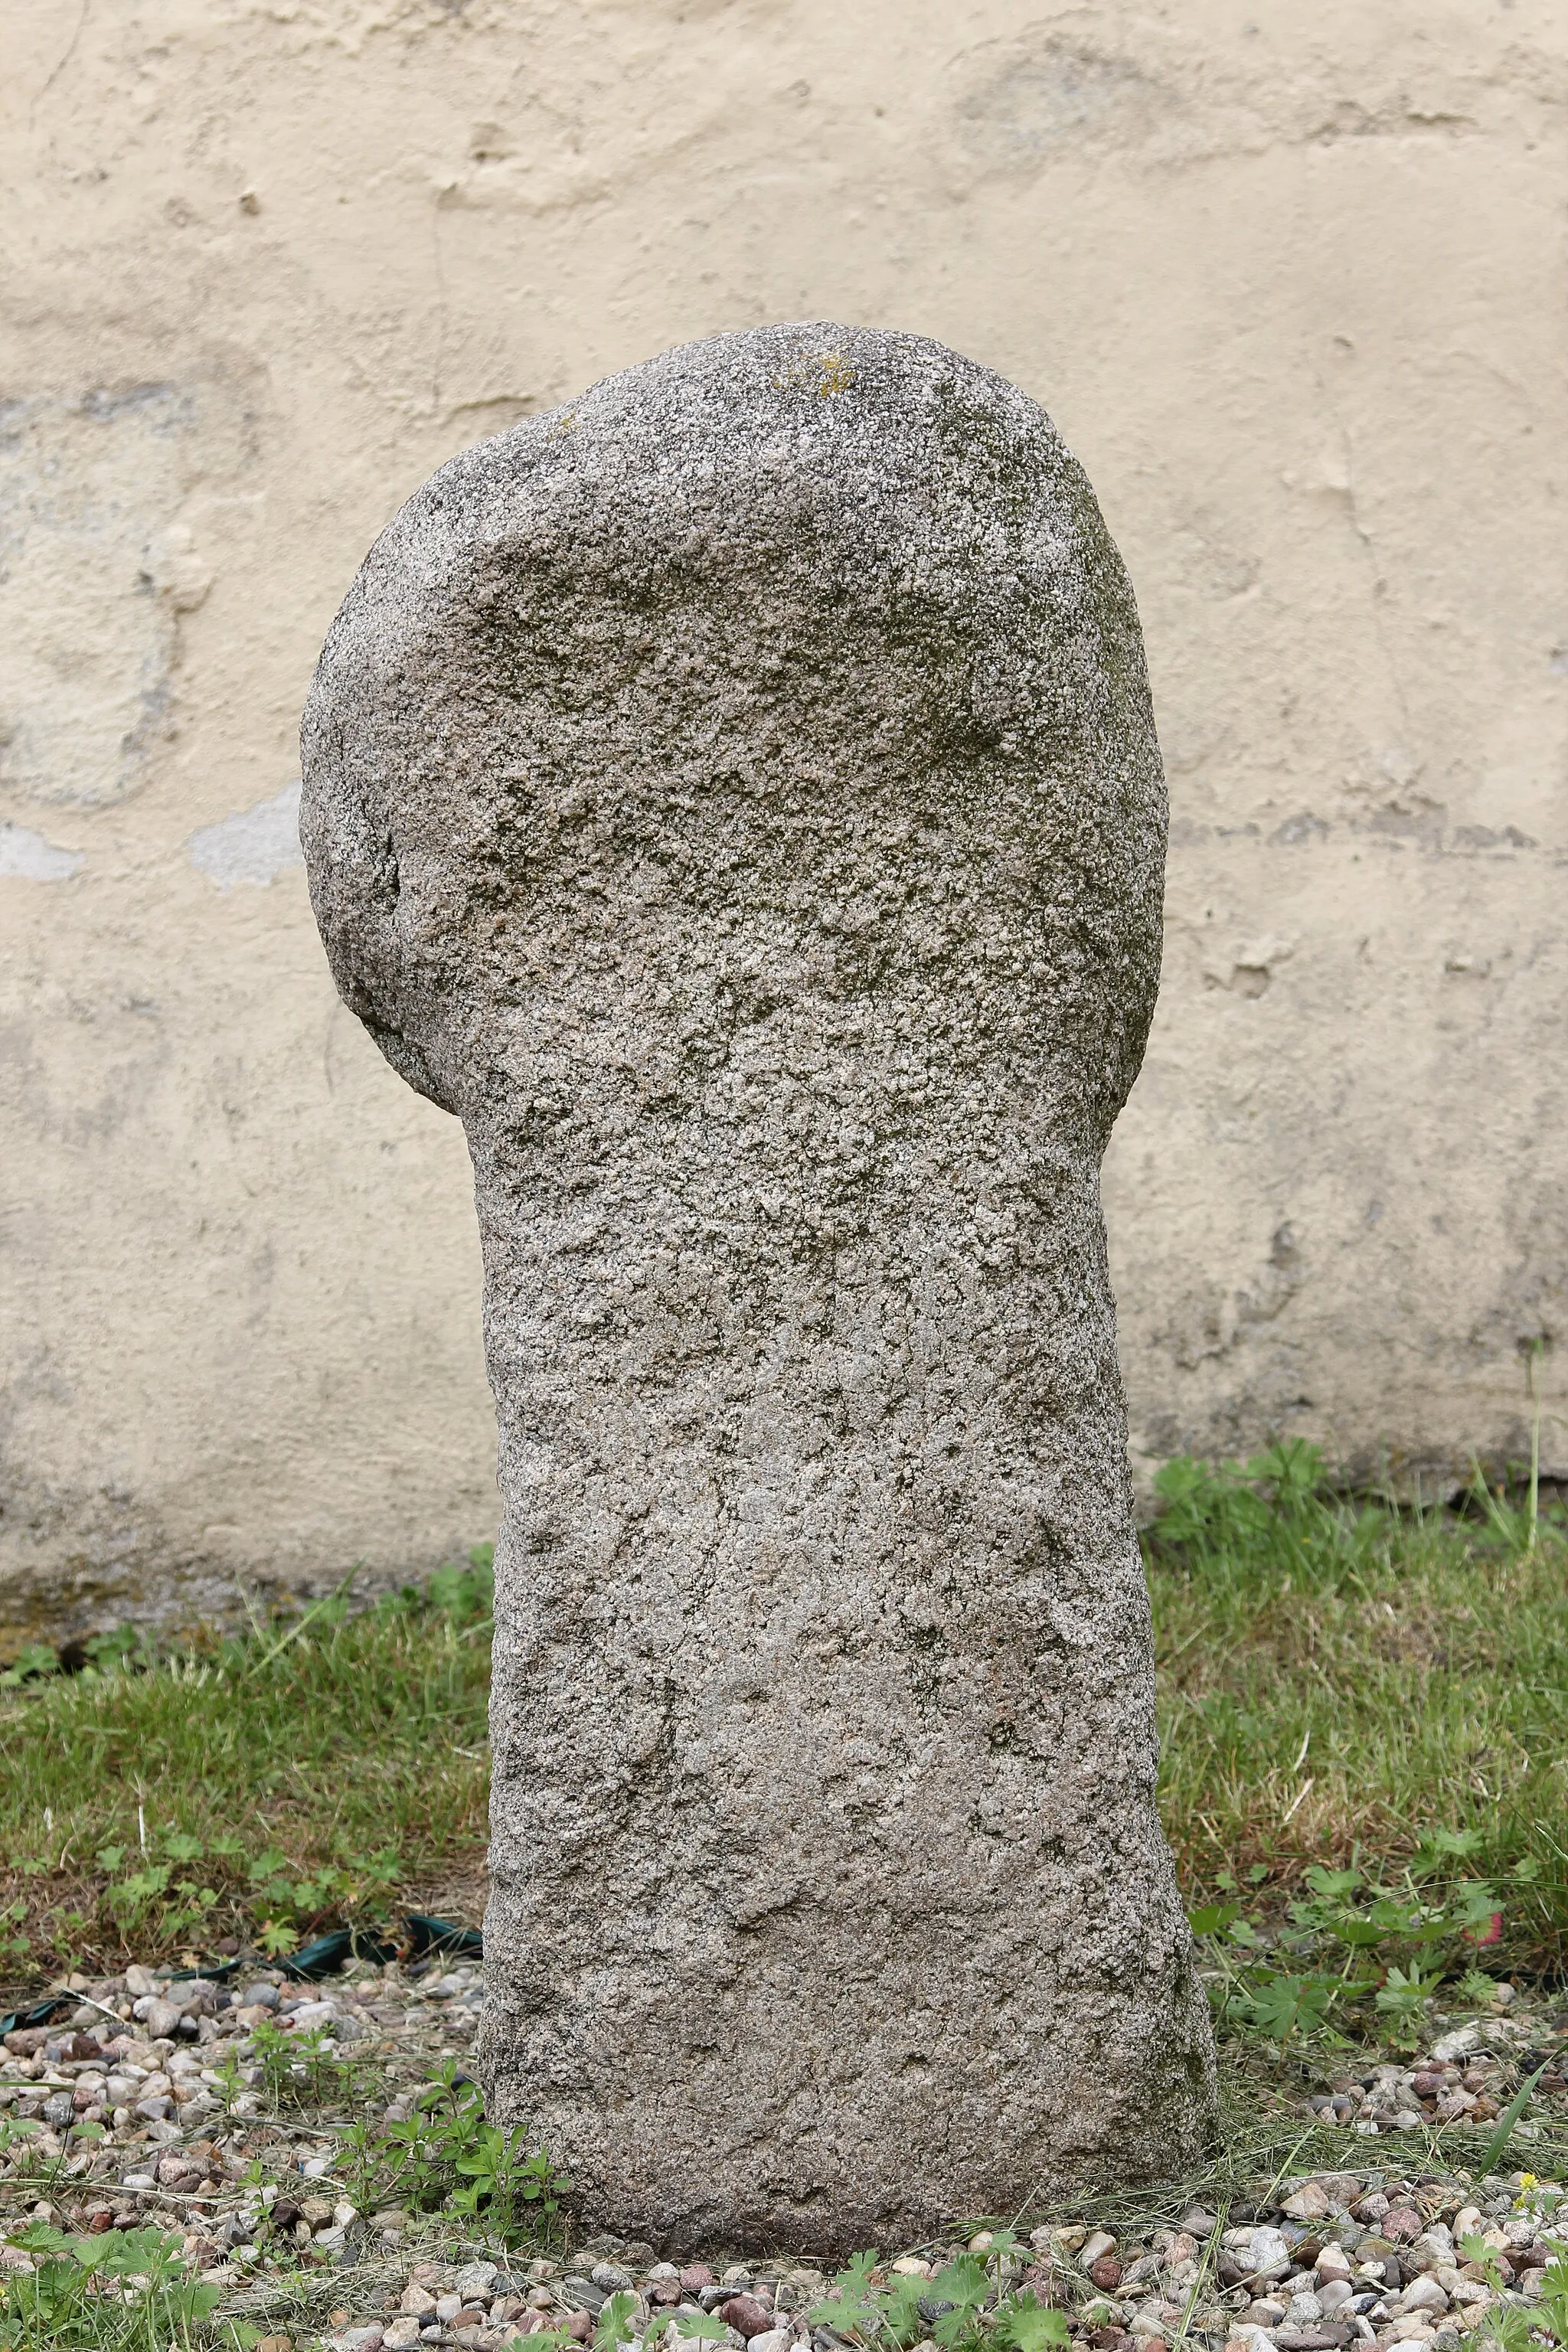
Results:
x,y
1290,281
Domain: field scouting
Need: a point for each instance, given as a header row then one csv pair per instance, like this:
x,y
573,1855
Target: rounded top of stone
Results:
x,y
800,578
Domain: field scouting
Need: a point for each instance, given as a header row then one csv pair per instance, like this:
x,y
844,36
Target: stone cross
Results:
x,y
735,796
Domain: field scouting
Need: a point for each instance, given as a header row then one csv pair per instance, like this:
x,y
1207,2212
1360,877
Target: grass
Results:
x,y
259,1787
1343,1683
1342,1686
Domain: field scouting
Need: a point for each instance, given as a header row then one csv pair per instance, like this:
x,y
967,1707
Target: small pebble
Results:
x,y
746,2316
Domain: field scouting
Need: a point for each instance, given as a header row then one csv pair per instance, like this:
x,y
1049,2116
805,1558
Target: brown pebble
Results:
x,y
468,2317
1105,2272
695,2275
745,2315
580,2325
28,2040
1402,2224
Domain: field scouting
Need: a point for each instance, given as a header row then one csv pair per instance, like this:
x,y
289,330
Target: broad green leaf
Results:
x,y
1029,2325
1332,1881
1213,1918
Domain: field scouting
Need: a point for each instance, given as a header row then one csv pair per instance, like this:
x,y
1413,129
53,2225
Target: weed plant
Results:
x,y
121,2291
445,2156
875,2309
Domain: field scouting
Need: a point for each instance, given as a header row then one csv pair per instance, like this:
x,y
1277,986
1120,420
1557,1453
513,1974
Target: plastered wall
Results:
x,y
1289,280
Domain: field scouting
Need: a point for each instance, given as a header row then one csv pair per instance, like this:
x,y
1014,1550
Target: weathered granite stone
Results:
x,y
735,796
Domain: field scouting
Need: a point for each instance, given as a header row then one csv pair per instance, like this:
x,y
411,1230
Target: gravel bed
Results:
x,y
170,2071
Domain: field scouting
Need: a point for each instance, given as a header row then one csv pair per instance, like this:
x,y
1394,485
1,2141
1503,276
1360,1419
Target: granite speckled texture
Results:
x,y
735,796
